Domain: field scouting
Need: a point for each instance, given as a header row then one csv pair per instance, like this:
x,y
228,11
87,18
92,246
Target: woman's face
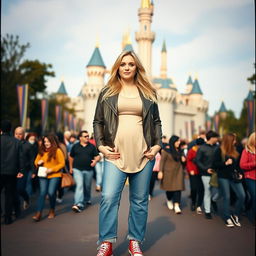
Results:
x,y
32,139
47,143
177,144
127,69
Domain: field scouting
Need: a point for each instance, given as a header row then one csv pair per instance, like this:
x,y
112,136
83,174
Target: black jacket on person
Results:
x,y
225,171
11,155
105,121
27,156
204,158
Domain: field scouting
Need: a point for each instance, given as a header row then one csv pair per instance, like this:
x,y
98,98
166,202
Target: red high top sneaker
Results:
x,y
105,249
134,248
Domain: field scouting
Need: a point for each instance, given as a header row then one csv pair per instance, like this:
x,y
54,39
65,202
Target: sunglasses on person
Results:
x,y
86,136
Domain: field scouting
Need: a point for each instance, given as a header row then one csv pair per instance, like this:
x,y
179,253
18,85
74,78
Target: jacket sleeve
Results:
x,y
199,156
218,163
245,163
98,122
21,159
162,161
60,161
158,126
190,156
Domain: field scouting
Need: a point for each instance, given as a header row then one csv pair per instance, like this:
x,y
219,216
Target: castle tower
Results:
x,y
95,73
127,42
61,94
145,37
223,111
189,85
163,69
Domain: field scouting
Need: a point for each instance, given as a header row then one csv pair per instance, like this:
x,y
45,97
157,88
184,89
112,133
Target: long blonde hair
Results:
x,y
227,145
250,145
114,84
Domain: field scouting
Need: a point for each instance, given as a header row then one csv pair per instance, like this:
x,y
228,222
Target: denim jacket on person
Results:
x,y
105,121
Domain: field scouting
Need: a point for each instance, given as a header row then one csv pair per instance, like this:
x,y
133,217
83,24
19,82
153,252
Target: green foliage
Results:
x,y
15,70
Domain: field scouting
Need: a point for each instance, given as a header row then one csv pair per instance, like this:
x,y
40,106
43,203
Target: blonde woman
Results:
x,y
248,164
127,131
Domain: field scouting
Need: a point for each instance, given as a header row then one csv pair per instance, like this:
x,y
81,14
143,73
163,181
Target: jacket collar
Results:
x,y
112,103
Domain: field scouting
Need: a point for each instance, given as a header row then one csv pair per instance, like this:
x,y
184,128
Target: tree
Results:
x,y
15,71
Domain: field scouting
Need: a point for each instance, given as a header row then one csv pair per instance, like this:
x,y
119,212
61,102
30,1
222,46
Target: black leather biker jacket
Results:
x,y
105,121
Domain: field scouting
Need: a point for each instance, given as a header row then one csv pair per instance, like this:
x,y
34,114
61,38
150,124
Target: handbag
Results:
x,y
236,176
214,180
42,172
67,180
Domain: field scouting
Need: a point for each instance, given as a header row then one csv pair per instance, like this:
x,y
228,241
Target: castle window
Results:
x,y
186,101
145,27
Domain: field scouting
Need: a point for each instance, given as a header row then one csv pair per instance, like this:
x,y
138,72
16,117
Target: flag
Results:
x,y
186,129
58,109
22,93
250,104
216,121
65,117
192,123
44,110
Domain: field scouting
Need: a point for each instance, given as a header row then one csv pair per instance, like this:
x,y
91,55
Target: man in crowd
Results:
x,y
11,167
204,161
83,157
28,159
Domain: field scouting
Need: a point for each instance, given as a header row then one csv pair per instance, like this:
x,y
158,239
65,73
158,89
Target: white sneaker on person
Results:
x,y
177,208
59,200
199,210
235,220
169,204
229,223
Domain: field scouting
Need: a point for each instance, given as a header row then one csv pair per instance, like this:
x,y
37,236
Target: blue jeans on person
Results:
x,y
112,187
210,193
83,180
99,172
47,186
29,187
225,185
251,187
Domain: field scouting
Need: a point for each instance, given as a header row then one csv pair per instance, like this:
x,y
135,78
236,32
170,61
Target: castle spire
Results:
x,y
145,4
163,69
145,37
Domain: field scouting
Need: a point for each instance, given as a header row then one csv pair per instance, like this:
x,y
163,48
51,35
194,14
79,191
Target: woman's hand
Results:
x,y
151,153
40,162
48,171
160,175
109,153
192,173
229,161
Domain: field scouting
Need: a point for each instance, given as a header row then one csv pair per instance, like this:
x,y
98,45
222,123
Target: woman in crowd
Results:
x,y
226,163
127,130
32,139
171,173
196,184
248,165
52,158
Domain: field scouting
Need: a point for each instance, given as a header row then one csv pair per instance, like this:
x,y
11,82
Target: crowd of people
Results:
x,y
221,172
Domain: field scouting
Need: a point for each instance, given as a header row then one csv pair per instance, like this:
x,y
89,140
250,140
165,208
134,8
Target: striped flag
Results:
x,y
44,110
216,121
65,117
192,123
58,110
22,93
250,104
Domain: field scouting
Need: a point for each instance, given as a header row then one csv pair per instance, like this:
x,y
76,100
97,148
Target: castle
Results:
x,y
182,114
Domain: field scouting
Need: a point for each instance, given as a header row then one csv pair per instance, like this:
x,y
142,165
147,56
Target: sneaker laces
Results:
x,y
135,247
103,249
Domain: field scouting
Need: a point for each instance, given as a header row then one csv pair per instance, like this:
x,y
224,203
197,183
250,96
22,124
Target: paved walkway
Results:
x,y
71,234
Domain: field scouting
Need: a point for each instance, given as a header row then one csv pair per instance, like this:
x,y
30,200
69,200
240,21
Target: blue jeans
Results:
x,y
251,187
224,185
47,186
83,181
99,172
112,187
210,193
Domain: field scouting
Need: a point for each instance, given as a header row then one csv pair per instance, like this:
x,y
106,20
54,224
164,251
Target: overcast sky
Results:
x,y
213,39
